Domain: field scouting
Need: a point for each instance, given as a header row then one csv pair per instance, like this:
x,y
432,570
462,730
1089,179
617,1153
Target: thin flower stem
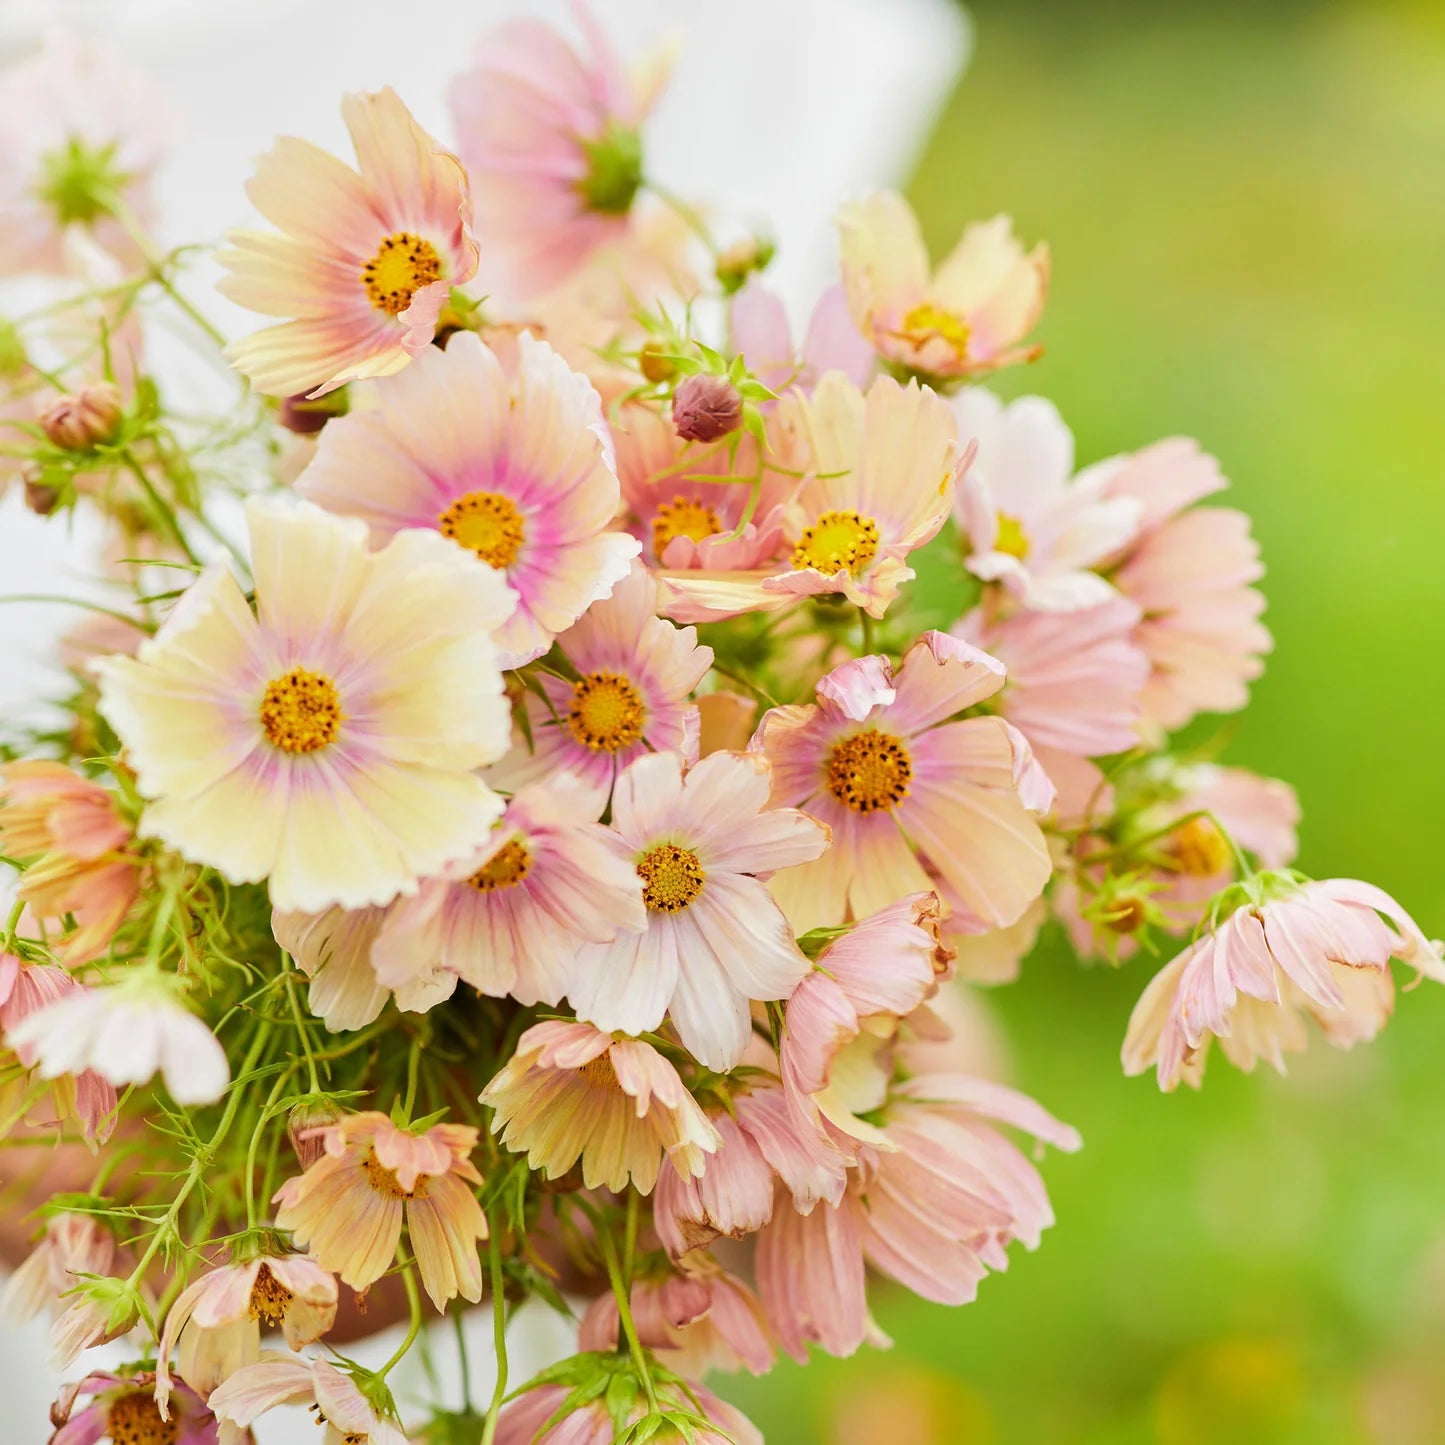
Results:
x,y
621,1290
12,922
459,1328
301,1029
689,215
499,1339
629,1239
869,632
413,1299
167,512
413,1064
250,1177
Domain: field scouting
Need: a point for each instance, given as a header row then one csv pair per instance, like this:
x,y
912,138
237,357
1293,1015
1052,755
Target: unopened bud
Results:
x,y
40,496
312,1114
84,419
737,262
706,407
655,362
307,415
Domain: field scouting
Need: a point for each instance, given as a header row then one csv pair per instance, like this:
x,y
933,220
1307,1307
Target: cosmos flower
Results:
x,y
528,1420
123,1408
333,1396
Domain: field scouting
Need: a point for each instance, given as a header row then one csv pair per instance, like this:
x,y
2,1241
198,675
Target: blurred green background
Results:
x,y
1246,204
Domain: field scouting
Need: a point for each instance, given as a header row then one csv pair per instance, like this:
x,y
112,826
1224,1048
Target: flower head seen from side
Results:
x,y
335,1399
715,938
551,140
123,1408
635,675
968,316
905,786
1031,525
343,720
515,468
1290,950
572,1092
347,1209
364,260
533,1418
72,1246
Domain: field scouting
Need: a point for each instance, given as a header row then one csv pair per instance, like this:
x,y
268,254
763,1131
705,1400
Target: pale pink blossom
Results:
x,y
279,1380
347,1209
572,1092
514,465
715,939
365,258
1030,524
904,787
528,1420
967,316
73,1245
122,1408
1318,949
758,322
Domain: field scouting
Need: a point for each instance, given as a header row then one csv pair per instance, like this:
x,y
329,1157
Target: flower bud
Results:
x,y
706,407
312,1113
85,418
737,262
655,362
307,415
40,496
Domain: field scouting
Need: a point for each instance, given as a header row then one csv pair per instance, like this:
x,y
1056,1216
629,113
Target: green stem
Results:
x,y
413,1299
301,1029
689,214
167,512
499,1339
413,1064
12,922
250,1177
621,1290
869,632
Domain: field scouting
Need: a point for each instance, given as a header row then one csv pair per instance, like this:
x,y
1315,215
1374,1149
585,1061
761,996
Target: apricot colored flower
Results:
x,y
905,786
333,1396
342,722
73,1245
365,259
572,1092
715,939
347,1209
968,316
515,468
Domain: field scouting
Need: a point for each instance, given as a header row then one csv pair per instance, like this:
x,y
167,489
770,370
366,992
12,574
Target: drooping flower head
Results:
x,y
342,721
123,1408
365,259
905,787
967,317
715,939
73,1245
349,1417
550,137
347,1208
572,1092
533,1419
515,469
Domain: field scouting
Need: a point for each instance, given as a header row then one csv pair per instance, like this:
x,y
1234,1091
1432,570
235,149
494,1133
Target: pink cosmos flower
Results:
x,y
516,469
80,131
1190,572
346,1210
216,1322
527,1420
904,789
761,336
126,1033
1029,525
935,1210
279,1380
572,1092
699,1321
1320,949
635,673
122,1408
365,259
715,939
512,919
550,139
73,1245
343,723
70,829
967,317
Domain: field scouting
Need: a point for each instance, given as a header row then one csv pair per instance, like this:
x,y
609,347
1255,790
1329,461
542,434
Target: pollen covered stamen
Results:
x,y
1198,848
504,869
672,877
870,770
837,541
929,322
607,712
385,1182
270,1299
682,517
488,524
599,1072
301,711
135,1419
403,264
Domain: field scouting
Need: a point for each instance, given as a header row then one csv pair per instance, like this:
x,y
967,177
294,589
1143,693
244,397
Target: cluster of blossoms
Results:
x,y
542,857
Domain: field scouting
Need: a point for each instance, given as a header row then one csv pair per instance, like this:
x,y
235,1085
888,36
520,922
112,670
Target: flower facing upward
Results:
x,y
904,788
347,1208
334,1399
366,257
572,1092
515,469
967,317
342,723
715,938
1320,949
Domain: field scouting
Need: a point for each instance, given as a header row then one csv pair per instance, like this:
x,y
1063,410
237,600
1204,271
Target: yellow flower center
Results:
x,y
671,877
301,711
504,869
1011,537
1126,915
599,1072
488,524
929,321
135,1419
870,770
270,1299
403,264
385,1182
607,712
682,517
837,541
1198,848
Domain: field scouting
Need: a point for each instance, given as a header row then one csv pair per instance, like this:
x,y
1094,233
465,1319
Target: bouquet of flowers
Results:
x,y
555,751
